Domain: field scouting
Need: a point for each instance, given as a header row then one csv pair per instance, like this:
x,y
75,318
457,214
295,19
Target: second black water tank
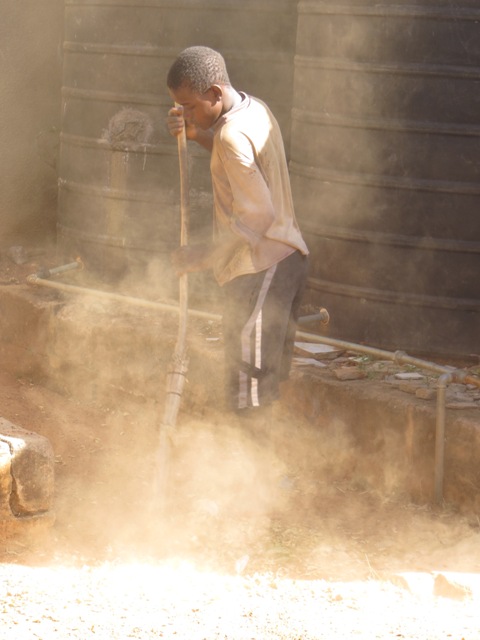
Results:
x,y
386,170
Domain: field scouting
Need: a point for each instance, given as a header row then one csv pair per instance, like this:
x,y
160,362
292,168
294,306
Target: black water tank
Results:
x,y
119,186
386,169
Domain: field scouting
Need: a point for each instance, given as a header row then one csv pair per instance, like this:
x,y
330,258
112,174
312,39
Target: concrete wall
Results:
x,y
31,35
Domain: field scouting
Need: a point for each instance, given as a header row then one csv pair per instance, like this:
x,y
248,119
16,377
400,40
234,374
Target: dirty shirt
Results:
x,y
251,189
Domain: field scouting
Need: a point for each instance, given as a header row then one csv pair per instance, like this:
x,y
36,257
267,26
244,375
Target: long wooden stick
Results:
x,y
179,365
184,230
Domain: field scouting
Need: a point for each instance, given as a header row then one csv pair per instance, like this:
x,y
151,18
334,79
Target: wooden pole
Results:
x,y
179,364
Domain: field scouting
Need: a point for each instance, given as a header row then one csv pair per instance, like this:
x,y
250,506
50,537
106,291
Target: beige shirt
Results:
x,y
251,189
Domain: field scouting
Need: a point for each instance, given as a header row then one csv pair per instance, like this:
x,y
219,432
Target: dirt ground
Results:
x,y
262,538
259,541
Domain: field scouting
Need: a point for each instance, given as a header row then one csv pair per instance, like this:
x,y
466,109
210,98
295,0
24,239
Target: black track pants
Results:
x,y
259,324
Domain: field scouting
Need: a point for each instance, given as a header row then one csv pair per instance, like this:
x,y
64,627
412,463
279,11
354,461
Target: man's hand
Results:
x,y
176,123
192,258
200,257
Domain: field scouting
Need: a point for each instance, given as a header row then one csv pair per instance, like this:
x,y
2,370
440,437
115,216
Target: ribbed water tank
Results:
x,y
119,182
385,164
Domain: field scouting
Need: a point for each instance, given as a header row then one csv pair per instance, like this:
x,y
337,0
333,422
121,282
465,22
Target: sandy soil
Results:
x,y
262,539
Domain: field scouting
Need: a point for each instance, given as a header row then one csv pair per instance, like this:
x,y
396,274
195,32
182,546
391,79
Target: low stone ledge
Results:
x,y
26,476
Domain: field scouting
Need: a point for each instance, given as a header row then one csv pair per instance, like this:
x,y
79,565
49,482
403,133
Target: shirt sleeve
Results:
x,y
252,207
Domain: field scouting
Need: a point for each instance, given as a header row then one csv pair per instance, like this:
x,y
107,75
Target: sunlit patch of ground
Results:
x,y
176,600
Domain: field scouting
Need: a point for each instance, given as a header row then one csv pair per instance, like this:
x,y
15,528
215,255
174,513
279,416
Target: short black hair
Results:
x,y
198,68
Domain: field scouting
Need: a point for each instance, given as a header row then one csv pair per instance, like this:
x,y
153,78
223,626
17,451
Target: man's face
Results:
x,y
202,110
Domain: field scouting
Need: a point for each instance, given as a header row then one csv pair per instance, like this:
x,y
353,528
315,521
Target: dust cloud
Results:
x,y
281,536
231,494
229,490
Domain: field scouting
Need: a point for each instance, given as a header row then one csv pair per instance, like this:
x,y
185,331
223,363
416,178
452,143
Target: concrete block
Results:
x,y
349,373
447,588
5,480
26,472
426,393
409,387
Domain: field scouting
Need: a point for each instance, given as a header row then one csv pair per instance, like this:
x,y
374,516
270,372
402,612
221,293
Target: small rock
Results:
x,y
462,405
455,387
381,365
408,387
426,393
409,376
241,564
349,373
448,589
460,397
397,580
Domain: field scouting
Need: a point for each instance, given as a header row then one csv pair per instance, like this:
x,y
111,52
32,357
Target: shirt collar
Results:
x,y
233,111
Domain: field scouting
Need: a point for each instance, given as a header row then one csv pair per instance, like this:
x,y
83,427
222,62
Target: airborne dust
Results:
x,y
263,539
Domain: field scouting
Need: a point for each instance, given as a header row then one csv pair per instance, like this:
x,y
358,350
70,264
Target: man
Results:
x,y
258,255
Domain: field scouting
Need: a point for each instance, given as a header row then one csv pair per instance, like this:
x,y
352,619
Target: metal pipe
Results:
x,y
442,383
48,273
447,374
35,279
399,357
40,279
322,316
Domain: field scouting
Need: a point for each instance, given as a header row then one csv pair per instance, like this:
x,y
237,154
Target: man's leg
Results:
x,y
259,330
242,331
281,311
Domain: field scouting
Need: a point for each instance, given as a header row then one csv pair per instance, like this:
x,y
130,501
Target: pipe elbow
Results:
x,y
399,356
32,278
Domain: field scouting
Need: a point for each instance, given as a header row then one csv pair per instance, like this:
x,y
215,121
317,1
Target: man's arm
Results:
x,y
252,207
200,257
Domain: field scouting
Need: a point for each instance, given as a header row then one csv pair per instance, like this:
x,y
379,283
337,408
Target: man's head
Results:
x,y
197,68
198,80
